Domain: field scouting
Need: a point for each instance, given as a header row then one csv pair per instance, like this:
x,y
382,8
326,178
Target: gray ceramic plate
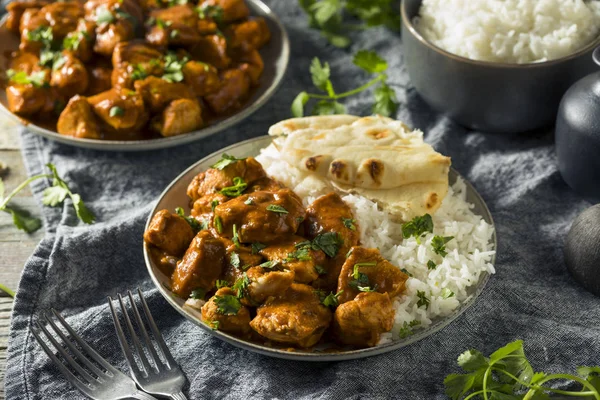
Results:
x,y
175,196
275,54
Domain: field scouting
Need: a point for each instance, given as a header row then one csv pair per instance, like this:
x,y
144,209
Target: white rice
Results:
x,y
469,253
510,31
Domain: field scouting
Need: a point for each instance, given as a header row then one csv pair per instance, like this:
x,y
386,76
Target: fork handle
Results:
x,y
142,396
178,396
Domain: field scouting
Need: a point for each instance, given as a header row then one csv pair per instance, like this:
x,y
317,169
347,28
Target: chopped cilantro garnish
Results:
x,y
214,204
234,259
218,224
423,299
363,264
269,264
227,304
320,270
431,265
249,201
214,325
73,39
237,189
332,300
349,223
417,227
277,209
42,34
438,243
194,224
257,247
116,111
174,33
235,238
447,293
210,11
174,68
406,329
226,160
406,272
221,283
301,254
37,79
104,16
241,286
198,294
329,243
138,72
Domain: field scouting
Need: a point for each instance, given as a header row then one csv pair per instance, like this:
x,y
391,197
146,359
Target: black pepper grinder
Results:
x,y
578,135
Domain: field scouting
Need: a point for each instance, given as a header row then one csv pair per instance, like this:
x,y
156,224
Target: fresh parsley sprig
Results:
x,y
508,375
332,17
327,104
52,196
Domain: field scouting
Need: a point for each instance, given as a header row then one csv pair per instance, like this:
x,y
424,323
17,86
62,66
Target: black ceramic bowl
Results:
x,y
489,96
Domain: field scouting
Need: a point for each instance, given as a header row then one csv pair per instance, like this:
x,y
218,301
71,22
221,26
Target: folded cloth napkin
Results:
x,y
531,297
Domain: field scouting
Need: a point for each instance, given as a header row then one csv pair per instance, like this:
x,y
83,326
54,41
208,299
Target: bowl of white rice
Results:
x,y
499,65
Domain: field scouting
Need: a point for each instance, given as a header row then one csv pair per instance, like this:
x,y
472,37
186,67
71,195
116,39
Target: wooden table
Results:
x,y
15,246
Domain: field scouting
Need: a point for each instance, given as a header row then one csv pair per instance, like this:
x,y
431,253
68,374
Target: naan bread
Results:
x,y
371,152
375,157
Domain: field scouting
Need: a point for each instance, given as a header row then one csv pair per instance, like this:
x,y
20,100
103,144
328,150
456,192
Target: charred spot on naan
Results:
x,y
379,133
340,170
312,163
375,168
432,201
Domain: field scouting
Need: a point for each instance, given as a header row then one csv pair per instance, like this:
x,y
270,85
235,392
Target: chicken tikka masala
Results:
x,y
268,269
132,69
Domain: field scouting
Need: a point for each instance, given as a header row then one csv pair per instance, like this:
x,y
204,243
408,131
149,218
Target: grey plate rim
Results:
x,y
261,142
163,143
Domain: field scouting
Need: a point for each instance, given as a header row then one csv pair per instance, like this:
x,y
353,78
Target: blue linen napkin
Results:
x,y
531,297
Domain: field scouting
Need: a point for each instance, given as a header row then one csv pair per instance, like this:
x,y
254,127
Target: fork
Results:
x,y
108,383
163,377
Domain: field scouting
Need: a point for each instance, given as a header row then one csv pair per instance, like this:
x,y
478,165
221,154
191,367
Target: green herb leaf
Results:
x,y
226,160
54,195
116,111
326,107
198,294
50,195
236,190
447,293
235,238
370,61
431,265
23,219
218,224
457,385
227,304
194,224
417,226
349,223
385,101
332,300
138,72
257,247
299,103
356,273
329,243
174,67
302,254
234,259
42,34
214,204
241,286
269,264
320,270
104,16
438,243
320,74
73,39
37,79
406,329
277,209
423,299
472,360
210,11
221,283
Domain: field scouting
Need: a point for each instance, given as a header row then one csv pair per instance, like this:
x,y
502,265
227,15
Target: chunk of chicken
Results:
x,y
120,109
78,120
264,185
233,10
28,99
252,64
109,35
366,268
207,26
218,315
69,75
163,260
116,22
327,214
232,94
213,179
260,216
200,266
211,49
100,79
60,17
265,283
303,260
24,61
34,28
201,78
247,36
176,25
157,92
169,232
202,208
180,116
238,260
16,9
135,60
81,40
297,317
361,322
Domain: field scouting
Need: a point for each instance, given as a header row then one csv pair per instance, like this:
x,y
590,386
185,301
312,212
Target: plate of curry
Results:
x,y
138,75
250,264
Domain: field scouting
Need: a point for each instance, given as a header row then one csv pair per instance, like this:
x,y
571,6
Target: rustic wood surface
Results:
x,y
15,245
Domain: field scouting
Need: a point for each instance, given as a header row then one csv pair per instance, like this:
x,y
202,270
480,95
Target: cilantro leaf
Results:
x,y
227,304
173,67
73,39
417,226
332,300
37,79
438,243
431,265
235,238
325,10
320,73
194,224
241,286
457,385
277,209
239,185
406,329
219,283
234,259
218,224
385,101
198,294
423,299
83,213
326,107
370,61
301,254
54,195
104,16
210,11
116,111
42,34
225,160
329,243
299,103
320,270
447,293
472,360
349,223
23,219
269,264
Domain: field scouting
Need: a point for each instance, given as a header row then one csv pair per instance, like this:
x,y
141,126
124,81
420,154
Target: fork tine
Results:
x,y
89,380
88,350
136,341
101,374
142,327
121,335
155,332
64,370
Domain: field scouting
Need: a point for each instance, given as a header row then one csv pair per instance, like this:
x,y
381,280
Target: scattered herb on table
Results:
x,y
508,375
417,227
52,196
194,224
7,290
406,329
438,243
335,18
327,104
227,304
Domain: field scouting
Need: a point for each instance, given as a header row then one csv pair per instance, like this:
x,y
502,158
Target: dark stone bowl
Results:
x,y
488,96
